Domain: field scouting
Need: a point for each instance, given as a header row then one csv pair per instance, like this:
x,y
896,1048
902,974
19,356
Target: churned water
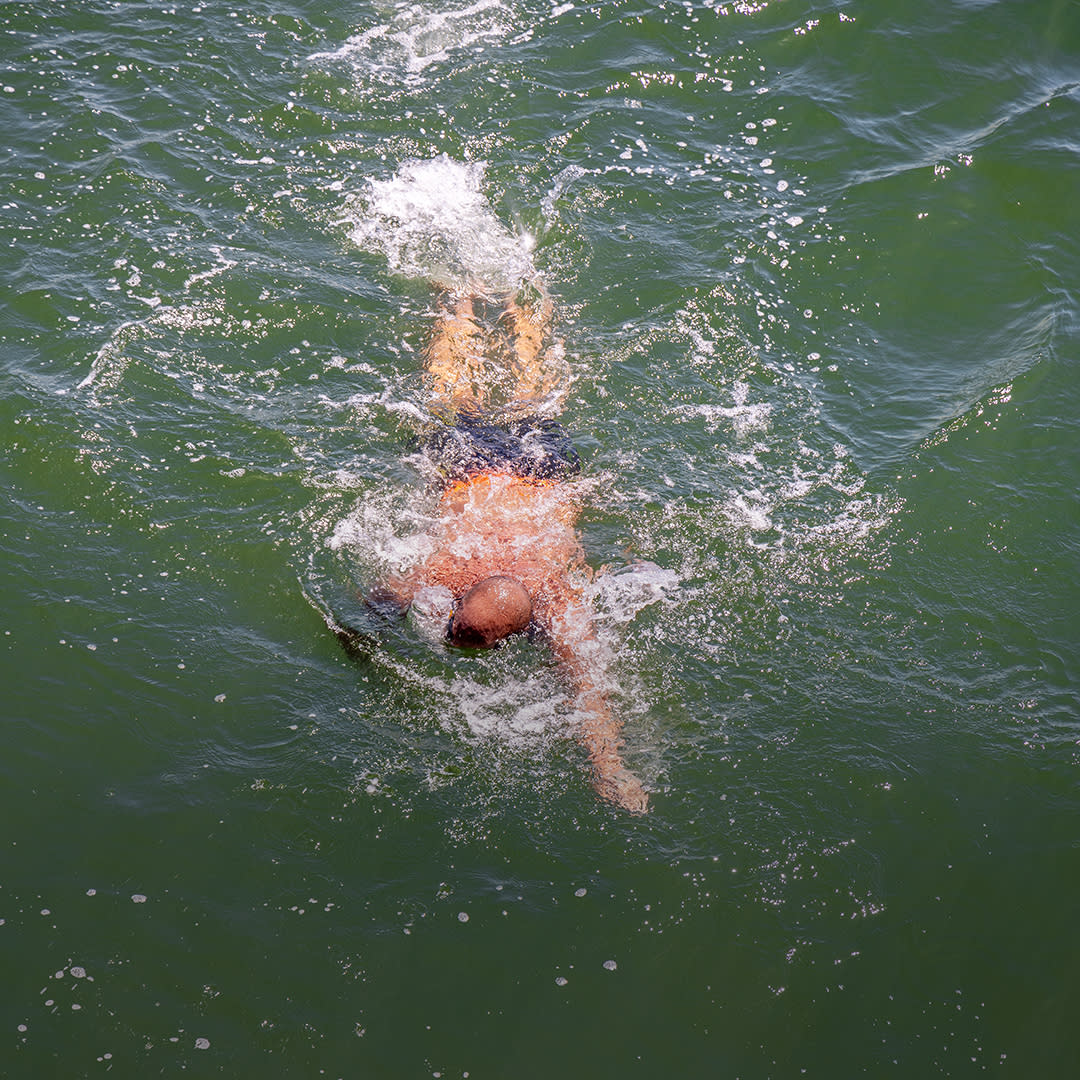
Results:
x,y
814,269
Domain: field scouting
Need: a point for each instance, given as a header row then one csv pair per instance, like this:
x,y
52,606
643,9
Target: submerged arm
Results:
x,y
584,658
394,594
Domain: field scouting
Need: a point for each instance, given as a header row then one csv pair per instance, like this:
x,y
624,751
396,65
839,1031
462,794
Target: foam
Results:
x,y
432,220
516,710
745,420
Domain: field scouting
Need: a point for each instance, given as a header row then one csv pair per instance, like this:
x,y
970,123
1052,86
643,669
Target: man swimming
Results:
x,y
504,542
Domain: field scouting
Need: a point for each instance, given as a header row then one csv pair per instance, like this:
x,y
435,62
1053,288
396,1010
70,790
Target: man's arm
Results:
x,y
584,657
393,595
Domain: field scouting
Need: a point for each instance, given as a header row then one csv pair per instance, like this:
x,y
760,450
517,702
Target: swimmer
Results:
x,y
504,541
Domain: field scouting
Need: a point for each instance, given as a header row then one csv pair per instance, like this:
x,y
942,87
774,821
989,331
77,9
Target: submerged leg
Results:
x,y
454,358
473,370
539,373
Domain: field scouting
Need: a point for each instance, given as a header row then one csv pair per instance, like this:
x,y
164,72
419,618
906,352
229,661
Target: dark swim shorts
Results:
x,y
531,447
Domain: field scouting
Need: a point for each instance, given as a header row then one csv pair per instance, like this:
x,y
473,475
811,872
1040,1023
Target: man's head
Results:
x,y
490,611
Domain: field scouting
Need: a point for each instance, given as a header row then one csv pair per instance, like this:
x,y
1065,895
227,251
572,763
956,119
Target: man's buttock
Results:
x,y
530,447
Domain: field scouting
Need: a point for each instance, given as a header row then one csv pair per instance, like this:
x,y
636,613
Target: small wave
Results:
x,y
112,358
567,176
415,37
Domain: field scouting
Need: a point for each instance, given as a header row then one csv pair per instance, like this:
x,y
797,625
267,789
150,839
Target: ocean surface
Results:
x,y
816,272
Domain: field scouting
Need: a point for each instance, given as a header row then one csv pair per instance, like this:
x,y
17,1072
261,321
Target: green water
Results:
x,y
815,269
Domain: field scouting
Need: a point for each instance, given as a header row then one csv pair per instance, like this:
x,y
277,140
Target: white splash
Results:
x,y
431,609
514,709
383,534
416,36
432,220
621,594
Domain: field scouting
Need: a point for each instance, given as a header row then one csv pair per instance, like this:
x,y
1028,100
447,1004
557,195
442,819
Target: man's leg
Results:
x,y
539,373
454,358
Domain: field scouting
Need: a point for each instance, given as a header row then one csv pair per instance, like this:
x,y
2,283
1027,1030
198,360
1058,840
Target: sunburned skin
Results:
x,y
494,523
498,523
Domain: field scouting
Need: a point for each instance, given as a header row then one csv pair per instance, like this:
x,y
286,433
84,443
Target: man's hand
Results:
x,y
624,789
391,596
